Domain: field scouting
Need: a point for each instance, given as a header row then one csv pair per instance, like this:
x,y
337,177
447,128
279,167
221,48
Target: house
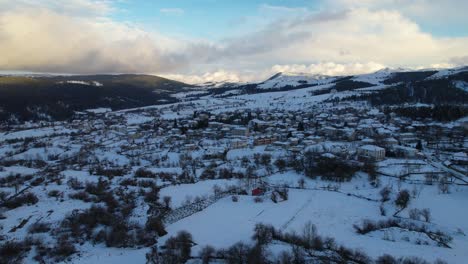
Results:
x,y
460,158
371,152
389,142
190,147
366,130
238,144
407,152
407,138
258,192
264,140
329,131
240,131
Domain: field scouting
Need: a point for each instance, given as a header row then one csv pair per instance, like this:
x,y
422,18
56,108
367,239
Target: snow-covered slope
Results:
x,y
377,77
447,72
282,80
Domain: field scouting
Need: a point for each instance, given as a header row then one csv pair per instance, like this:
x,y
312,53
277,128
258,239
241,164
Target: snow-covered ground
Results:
x,y
63,164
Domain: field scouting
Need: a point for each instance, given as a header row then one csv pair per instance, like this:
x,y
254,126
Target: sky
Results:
x,y
244,40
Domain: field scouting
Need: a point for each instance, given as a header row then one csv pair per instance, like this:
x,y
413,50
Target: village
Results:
x,y
180,161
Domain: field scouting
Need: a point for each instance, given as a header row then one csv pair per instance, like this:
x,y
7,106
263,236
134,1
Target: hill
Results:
x,y
58,97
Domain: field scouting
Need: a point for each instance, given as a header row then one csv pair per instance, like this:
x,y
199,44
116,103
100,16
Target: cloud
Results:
x,y
330,68
85,8
42,39
172,11
215,76
433,13
459,61
325,68
348,37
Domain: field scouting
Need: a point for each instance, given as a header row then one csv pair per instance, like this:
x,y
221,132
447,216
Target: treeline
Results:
x,y
307,246
409,76
437,112
429,92
343,85
38,99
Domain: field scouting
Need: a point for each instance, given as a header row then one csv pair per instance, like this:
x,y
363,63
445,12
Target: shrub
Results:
x,y
75,184
258,199
178,249
412,260
129,182
26,198
98,188
152,196
143,173
235,198
154,224
146,183
426,214
263,234
383,212
111,172
330,169
414,214
117,236
39,227
206,254
208,173
167,201
444,185
237,253
402,200
37,181
280,164
257,255
298,255
54,193
63,248
301,183
13,252
385,194
368,226
285,257
3,195
81,195
79,223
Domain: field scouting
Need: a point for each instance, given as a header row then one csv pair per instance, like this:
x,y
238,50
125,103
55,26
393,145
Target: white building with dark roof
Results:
x,y
371,152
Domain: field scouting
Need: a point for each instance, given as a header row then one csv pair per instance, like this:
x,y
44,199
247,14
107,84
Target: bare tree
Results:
x,y
301,183
206,254
444,186
402,201
426,214
167,201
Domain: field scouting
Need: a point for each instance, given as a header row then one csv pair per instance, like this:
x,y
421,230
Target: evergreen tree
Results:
x,y
300,126
419,145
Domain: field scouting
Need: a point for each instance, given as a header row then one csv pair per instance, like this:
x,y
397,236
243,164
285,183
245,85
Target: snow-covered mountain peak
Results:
x,y
294,79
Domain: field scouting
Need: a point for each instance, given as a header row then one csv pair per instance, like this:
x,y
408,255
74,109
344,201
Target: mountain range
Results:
x,y
36,97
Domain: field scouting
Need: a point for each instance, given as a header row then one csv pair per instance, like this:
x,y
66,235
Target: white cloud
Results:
x,y
459,61
350,36
428,10
42,39
325,68
172,11
77,36
330,68
69,7
214,76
